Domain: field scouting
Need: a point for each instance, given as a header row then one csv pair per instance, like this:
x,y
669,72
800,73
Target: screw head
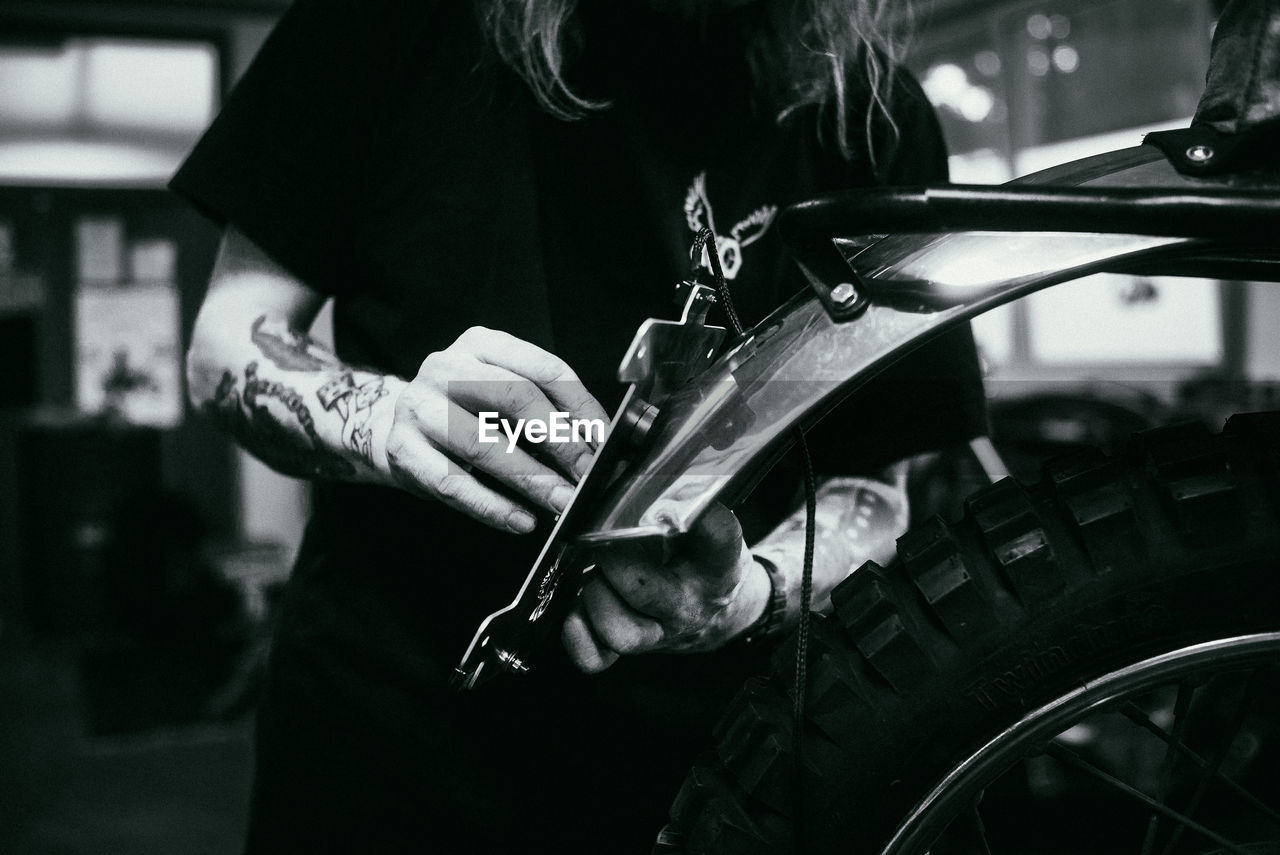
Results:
x,y
511,661
844,294
1200,153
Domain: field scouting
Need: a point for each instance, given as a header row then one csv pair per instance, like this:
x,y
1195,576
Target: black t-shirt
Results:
x,y
381,153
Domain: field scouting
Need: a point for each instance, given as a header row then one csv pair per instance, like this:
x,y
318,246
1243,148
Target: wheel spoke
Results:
x,y
1138,717
968,833
1212,771
1070,758
1186,692
979,827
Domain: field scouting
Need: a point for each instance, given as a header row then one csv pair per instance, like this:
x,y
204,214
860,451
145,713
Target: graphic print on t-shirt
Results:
x,y
698,214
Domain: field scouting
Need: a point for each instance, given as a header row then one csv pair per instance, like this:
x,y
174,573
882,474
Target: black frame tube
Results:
x,y
1238,215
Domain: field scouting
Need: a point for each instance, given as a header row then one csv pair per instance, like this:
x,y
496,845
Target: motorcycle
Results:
x,y
1103,642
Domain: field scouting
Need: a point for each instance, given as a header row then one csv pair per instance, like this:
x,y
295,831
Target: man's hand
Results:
x,y
296,405
707,594
433,445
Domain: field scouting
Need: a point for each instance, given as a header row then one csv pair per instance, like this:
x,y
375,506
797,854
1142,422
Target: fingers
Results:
x,y
602,627
645,585
698,600
450,428
436,438
584,650
492,389
552,374
617,625
714,543
422,469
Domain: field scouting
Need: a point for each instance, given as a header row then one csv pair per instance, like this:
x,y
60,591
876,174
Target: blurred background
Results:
x,y
140,552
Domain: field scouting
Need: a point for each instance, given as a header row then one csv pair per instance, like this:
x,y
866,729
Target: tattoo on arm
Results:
x,y
353,404
288,349
857,519
246,417
350,394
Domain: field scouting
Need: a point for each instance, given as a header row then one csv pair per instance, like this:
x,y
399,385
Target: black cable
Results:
x,y
705,238
802,640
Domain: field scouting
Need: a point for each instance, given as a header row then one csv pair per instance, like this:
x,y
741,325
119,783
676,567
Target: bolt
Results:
x,y
844,295
510,660
1200,154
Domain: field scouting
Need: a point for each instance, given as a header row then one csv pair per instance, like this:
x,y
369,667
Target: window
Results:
x,y
103,110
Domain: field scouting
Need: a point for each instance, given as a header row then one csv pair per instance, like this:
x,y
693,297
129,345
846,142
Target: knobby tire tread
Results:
x,y
1102,562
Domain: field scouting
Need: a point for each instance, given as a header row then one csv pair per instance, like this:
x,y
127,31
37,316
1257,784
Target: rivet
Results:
x,y
510,660
1200,153
843,294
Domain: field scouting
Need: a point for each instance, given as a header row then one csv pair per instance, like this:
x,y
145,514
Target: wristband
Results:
x,y
771,622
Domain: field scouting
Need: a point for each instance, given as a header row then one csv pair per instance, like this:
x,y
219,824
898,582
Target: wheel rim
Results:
x,y
1040,733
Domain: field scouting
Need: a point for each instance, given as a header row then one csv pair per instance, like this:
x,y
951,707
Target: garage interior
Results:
x,y
141,552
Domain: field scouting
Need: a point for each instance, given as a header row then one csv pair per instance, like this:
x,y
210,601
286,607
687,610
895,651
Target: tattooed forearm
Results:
x,y
350,399
288,349
249,419
295,405
354,404
858,519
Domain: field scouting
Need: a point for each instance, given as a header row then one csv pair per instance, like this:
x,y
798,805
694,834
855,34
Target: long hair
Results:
x,y
801,53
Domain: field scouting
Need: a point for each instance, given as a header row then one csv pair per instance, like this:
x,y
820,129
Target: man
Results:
x,y
495,197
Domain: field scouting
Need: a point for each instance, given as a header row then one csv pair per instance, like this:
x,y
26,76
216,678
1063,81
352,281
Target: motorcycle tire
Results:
x,y
1035,592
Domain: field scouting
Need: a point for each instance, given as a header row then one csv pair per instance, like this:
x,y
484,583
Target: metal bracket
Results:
x,y
1203,150
838,287
663,356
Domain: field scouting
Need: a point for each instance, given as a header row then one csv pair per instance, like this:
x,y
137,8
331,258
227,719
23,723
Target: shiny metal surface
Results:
x,y
798,363
506,640
662,357
716,431
965,266
695,428
957,790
